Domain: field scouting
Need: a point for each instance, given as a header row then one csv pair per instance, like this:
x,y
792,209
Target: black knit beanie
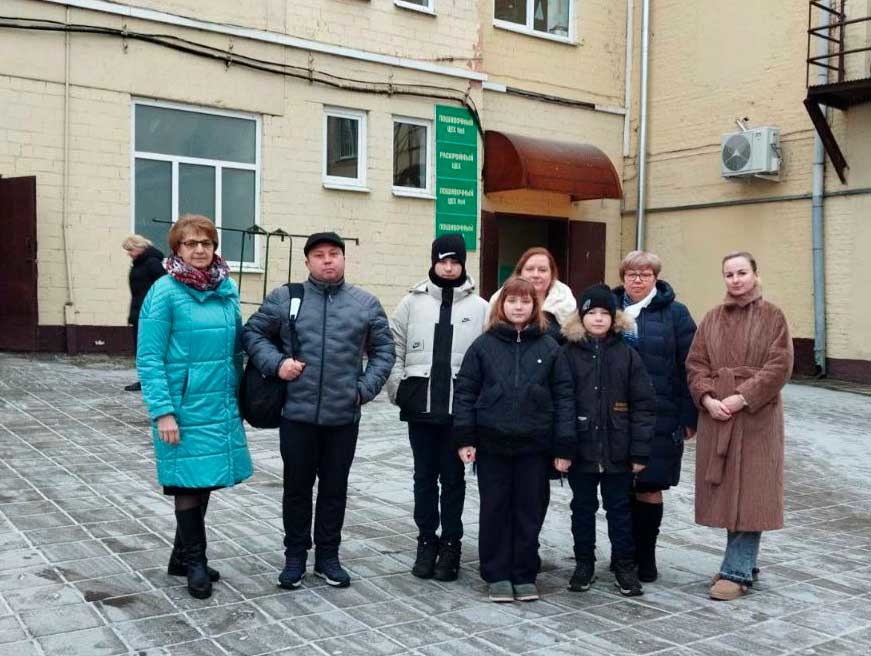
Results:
x,y
597,296
449,245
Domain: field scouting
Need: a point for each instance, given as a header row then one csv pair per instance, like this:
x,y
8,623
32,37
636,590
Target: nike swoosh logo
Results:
x,y
444,255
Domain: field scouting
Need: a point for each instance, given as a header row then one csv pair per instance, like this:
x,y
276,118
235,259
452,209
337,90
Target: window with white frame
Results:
x,y
190,160
344,148
543,17
427,6
411,157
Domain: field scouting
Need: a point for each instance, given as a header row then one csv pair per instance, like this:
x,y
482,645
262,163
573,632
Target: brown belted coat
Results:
x,y
741,347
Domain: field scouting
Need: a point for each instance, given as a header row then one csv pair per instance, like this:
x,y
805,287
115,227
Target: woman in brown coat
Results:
x,y
740,359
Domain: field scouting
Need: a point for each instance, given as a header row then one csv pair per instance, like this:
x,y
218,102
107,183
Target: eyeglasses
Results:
x,y
639,275
193,243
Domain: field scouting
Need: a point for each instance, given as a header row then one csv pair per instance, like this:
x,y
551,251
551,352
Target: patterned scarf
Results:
x,y
202,280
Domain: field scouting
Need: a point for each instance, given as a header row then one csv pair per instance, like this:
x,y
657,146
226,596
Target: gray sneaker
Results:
x,y
526,592
501,591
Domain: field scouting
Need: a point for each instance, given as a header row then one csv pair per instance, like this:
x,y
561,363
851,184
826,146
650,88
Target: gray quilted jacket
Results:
x,y
337,325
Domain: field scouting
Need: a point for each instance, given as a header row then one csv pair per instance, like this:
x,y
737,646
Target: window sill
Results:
x,y
413,7
522,29
346,186
411,192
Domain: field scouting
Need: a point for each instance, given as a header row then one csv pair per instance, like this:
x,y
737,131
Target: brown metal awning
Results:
x,y
580,170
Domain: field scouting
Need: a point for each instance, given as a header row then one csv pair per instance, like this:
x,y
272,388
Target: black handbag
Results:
x,y
262,396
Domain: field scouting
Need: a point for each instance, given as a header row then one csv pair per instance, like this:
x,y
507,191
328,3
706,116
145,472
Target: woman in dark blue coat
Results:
x,y
663,333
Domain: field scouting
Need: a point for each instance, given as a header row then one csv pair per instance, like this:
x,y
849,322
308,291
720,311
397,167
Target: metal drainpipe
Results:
x,y
70,304
818,233
642,130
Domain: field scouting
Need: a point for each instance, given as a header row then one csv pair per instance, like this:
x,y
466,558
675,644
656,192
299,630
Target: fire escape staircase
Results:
x,y
848,82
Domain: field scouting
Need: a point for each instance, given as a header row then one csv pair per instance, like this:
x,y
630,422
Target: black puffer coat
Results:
x,y
146,270
514,394
665,332
614,400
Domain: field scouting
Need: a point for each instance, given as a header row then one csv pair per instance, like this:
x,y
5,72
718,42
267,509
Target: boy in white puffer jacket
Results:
x,y
432,328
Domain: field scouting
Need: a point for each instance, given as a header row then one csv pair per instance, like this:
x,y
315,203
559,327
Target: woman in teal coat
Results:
x,y
189,359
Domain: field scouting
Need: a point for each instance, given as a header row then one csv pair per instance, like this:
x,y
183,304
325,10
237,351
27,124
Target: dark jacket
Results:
x,y
614,400
337,324
665,333
514,394
146,270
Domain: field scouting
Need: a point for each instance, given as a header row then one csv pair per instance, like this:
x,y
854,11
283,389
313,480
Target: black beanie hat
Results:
x,y
597,296
449,245
323,237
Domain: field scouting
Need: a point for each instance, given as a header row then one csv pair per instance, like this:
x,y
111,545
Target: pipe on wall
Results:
x,y
642,128
818,190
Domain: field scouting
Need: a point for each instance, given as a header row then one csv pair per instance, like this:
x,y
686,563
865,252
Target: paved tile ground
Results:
x,y
83,548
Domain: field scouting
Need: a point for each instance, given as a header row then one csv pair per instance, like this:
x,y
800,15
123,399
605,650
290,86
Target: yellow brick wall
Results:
x,y
701,80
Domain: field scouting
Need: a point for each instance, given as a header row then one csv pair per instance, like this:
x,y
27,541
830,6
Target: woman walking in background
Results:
x,y
662,333
740,360
190,363
147,267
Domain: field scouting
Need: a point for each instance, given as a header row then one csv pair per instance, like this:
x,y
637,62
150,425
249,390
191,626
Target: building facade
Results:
x,y
514,121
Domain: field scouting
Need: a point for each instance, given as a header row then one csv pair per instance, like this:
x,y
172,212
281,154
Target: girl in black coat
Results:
x,y
615,414
513,413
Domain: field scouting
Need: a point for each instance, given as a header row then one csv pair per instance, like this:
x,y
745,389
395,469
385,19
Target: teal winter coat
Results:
x,y
189,359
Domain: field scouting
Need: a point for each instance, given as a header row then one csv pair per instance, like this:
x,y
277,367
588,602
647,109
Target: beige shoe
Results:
x,y
725,590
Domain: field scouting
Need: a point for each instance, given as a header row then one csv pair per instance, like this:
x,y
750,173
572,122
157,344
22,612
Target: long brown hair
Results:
x,y
538,250
517,286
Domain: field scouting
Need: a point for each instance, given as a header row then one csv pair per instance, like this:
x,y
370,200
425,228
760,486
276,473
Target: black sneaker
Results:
x,y
585,574
448,565
427,552
292,574
133,387
331,571
627,578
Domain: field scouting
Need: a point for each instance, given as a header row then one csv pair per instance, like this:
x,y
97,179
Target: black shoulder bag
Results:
x,y
261,396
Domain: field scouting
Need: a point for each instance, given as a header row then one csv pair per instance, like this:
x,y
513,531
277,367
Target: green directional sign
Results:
x,y
456,156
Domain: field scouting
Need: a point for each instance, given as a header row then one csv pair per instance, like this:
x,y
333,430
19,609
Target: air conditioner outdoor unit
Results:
x,y
753,152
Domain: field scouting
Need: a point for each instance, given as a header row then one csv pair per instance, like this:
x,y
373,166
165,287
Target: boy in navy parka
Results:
x,y
615,415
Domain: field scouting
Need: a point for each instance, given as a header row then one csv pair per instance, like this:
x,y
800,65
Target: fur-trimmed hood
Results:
x,y
573,329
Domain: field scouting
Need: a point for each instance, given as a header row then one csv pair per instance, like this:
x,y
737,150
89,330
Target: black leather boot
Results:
x,y
646,518
448,564
427,552
192,530
176,565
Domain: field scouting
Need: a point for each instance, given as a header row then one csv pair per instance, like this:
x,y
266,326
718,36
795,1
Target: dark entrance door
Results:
x,y
18,309
577,246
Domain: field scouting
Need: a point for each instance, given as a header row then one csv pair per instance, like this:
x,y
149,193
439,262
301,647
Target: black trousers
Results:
x,y
512,491
436,461
616,498
310,451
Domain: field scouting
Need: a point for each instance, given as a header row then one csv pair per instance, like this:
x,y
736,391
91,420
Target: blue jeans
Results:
x,y
742,550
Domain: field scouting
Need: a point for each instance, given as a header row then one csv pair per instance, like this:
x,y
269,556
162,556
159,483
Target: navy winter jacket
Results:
x,y
514,394
337,324
614,400
665,333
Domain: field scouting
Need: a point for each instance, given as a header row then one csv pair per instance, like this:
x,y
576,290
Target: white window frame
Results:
x,y
530,21
428,9
415,192
338,182
219,165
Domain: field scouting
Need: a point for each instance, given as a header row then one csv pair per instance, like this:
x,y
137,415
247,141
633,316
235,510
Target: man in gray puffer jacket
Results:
x,y
336,325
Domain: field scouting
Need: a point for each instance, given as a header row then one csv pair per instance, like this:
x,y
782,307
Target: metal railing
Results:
x,y
833,30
